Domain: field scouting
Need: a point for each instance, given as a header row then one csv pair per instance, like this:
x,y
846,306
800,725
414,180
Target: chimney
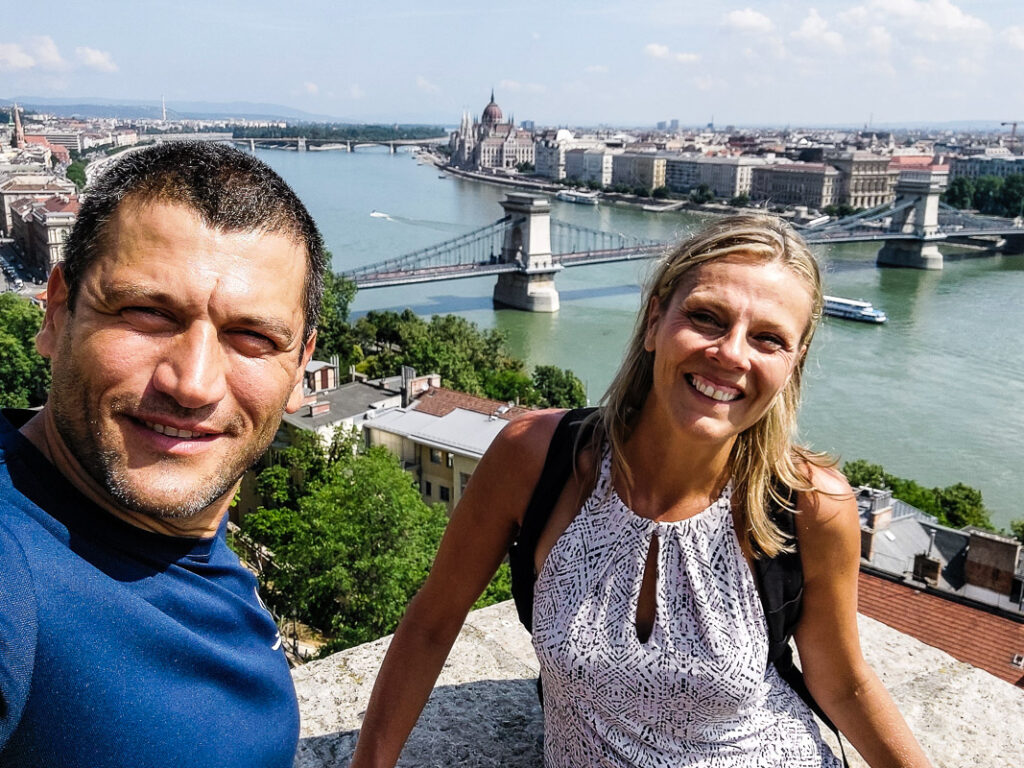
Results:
x,y
875,508
991,561
408,374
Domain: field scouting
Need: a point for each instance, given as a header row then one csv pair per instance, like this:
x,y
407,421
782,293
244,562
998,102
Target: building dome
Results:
x,y
492,112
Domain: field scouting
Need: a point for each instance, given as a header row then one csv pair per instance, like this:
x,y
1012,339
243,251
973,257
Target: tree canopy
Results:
x,y
956,505
992,195
24,374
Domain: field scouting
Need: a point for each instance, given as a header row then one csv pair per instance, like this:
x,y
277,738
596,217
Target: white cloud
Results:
x,y
355,92
41,53
814,30
1014,36
879,40
659,51
13,57
596,69
748,20
46,54
93,58
312,89
930,20
425,85
706,83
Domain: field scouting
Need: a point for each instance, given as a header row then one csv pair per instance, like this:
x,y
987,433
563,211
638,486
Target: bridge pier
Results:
x,y
1013,245
920,220
916,254
301,144
252,146
528,244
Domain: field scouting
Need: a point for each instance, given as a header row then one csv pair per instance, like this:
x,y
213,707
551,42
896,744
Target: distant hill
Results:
x,y
194,110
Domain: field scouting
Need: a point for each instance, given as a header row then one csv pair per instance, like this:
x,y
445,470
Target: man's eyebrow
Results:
x,y
119,293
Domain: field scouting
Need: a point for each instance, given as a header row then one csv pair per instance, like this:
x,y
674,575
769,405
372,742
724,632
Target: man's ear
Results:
x,y
653,317
57,311
296,397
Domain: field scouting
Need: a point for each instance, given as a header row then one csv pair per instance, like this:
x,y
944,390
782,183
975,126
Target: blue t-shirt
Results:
x,y
121,647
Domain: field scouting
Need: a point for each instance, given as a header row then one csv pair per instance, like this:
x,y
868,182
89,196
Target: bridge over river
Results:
x,y
526,248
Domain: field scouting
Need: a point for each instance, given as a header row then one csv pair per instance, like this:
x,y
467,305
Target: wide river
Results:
x,y
936,394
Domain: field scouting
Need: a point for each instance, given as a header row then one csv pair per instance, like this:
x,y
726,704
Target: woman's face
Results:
x,y
725,344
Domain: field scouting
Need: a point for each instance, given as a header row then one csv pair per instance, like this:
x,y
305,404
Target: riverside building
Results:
x,y
491,142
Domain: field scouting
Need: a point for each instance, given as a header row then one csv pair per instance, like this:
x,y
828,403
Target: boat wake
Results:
x,y
380,215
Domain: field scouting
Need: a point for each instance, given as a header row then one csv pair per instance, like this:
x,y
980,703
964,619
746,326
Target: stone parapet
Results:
x,y
484,711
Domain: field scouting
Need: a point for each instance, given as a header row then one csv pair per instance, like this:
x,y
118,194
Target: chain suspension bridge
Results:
x,y
526,248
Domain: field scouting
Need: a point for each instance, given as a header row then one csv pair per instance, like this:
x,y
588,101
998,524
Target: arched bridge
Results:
x,y
526,248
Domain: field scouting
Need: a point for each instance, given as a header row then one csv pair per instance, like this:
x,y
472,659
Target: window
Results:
x,y
427,489
444,492
435,456
450,460
463,480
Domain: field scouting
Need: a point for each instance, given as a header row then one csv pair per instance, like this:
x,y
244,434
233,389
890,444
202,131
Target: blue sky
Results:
x,y
558,63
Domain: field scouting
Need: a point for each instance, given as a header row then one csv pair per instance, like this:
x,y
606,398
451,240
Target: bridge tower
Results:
x,y
300,144
923,188
528,245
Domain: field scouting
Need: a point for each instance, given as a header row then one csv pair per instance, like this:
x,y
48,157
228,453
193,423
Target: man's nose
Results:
x,y
193,369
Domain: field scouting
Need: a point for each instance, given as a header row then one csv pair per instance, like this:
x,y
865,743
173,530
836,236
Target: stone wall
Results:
x,y
484,711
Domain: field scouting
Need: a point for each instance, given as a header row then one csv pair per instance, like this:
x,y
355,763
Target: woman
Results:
x,y
646,619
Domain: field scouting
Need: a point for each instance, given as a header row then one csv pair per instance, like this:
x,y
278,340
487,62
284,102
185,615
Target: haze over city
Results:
x,y
883,62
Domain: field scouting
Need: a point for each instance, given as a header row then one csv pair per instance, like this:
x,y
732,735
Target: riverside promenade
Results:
x,y
484,711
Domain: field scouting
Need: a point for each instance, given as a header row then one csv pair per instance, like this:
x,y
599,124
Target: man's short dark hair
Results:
x,y
229,190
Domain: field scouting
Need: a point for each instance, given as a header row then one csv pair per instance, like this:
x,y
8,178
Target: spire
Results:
x,y
492,94
19,132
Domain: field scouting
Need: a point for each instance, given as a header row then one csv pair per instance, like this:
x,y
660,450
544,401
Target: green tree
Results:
x,y
24,374
512,386
702,194
861,472
740,201
1017,529
987,190
334,334
353,546
558,387
660,193
962,505
76,173
960,192
1011,196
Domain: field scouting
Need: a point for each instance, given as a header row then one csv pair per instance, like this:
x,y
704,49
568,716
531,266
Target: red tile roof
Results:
x,y
980,638
439,401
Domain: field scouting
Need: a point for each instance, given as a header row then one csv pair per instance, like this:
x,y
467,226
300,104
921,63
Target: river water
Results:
x,y
936,394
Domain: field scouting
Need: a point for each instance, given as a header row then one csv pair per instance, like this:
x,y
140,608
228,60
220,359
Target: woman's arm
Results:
x,y
474,544
842,683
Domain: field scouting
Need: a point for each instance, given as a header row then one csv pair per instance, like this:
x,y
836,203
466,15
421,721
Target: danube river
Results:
x,y
936,394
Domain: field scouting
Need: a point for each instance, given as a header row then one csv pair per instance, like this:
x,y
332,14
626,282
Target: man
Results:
x,y
178,329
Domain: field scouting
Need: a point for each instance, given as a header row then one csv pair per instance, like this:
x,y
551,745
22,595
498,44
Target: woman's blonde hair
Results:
x,y
765,463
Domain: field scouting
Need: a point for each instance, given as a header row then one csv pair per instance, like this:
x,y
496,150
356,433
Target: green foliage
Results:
x,y
740,201
841,210
334,334
525,167
955,505
987,192
1017,529
558,388
512,386
499,590
702,194
24,374
960,192
76,173
641,191
353,544
660,193
593,184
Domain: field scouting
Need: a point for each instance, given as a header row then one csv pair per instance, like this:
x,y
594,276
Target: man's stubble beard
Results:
x,y
79,427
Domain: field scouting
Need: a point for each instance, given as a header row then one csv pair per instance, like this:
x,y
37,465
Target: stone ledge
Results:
x,y
484,711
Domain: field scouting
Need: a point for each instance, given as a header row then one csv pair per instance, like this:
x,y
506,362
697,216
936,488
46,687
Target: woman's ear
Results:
x,y
653,318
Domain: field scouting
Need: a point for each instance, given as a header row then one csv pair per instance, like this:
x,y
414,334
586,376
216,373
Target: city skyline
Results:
x,y
869,62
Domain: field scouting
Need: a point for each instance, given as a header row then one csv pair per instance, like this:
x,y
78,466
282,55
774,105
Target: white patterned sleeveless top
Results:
x,y
699,691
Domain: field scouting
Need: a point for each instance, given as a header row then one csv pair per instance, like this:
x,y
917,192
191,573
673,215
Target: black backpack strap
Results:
x,y
780,585
557,467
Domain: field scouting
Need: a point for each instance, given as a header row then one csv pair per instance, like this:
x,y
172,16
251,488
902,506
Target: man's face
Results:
x,y
181,353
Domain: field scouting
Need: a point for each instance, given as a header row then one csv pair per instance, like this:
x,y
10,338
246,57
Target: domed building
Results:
x,y
489,142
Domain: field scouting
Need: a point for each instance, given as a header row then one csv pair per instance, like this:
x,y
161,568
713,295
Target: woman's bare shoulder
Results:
x,y
830,498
